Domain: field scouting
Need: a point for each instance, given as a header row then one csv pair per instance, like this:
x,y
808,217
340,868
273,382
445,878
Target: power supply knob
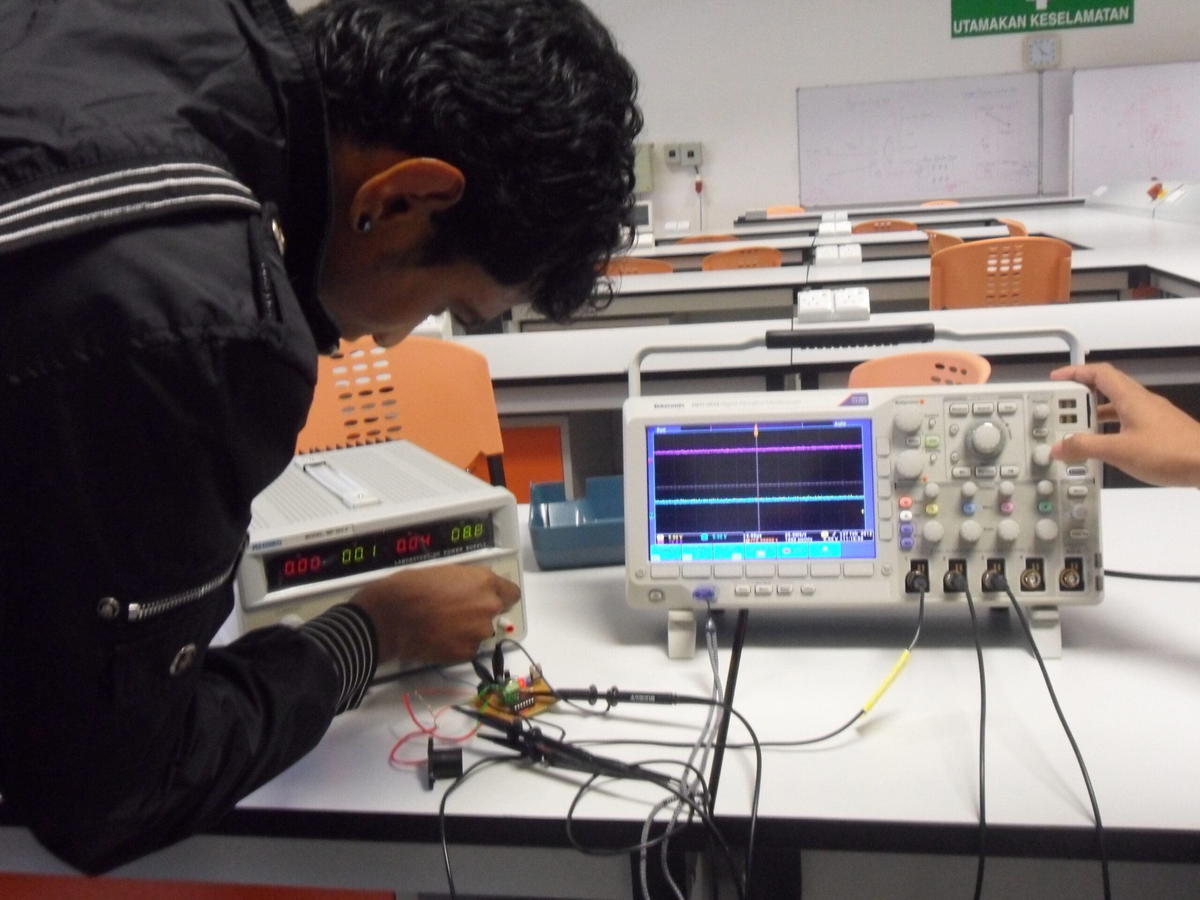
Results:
x,y
908,419
970,531
1041,455
933,531
986,439
909,465
1008,530
1046,529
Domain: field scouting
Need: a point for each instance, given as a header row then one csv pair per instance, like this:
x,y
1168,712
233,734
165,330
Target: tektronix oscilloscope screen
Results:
x,y
767,490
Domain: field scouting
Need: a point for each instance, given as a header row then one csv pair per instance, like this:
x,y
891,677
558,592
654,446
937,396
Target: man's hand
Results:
x,y
438,614
1158,442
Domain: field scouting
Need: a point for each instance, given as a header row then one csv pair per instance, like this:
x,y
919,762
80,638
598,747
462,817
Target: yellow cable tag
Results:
x,y
887,682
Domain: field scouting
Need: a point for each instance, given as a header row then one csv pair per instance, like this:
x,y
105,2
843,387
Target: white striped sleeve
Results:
x,y
348,637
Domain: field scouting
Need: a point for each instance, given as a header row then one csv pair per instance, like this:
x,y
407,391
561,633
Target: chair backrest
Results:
x,y
436,393
940,203
1011,271
872,225
940,240
1015,228
784,209
939,366
705,238
636,265
743,258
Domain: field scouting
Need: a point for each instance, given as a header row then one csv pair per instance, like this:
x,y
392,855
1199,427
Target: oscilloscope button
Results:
x,y
883,446
727,570
826,569
760,570
696,570
741,590
660,570
763,590
858,569
793,570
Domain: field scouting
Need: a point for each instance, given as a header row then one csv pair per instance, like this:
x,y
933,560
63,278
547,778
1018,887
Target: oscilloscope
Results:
x,y
831,498
333,521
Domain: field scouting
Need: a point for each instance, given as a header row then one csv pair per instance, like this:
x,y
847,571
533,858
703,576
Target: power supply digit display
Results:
x,y
761,491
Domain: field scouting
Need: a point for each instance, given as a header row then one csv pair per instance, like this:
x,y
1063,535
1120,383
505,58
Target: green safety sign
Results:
x,y
972,18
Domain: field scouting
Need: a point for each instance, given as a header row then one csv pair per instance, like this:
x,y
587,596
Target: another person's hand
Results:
x,y
1158,442
438,614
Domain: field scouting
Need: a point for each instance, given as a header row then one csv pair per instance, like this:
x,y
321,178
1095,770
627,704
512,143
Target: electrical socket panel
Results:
x,y
690,153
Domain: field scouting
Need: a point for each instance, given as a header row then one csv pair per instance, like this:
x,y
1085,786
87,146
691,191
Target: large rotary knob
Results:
x,y
909,465
1008,530
908,419
970,531
1046,530
986,439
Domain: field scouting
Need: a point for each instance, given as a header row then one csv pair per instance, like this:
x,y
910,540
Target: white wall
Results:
x,y
725,72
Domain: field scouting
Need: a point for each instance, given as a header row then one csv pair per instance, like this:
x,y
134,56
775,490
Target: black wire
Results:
x,y
1103,852
1151,576
798,743
470,770
982,853
735,664
679,790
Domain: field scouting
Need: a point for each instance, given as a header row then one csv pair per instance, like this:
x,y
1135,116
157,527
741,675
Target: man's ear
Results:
x,y
421,185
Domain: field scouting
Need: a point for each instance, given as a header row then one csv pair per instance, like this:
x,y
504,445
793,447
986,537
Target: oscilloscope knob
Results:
x,y
986,439
970,531
1041,455
933,531
909,465
1046,530
1008,530
908,419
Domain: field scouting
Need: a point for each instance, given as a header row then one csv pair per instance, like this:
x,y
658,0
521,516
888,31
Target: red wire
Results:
x,y
422,729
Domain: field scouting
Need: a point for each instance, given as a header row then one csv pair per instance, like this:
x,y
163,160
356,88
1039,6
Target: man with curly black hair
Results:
x,y
195,199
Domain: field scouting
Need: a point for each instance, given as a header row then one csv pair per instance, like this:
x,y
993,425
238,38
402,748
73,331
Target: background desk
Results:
x,y
900,787
904,210
1115,253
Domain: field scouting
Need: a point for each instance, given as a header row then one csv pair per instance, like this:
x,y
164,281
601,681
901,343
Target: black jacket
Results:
x,y
156,362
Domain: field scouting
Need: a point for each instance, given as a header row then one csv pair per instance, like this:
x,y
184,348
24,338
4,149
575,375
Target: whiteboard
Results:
x,y
1136,123
919,140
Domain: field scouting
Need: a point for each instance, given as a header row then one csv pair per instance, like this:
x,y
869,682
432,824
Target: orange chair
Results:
x,y
706,238
784,210
922,367
437,394
940,203
636,265
1015,228
940,240
1010,271
743,258
872,225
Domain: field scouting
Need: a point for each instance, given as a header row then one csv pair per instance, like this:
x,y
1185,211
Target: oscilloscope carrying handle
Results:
x,y
870,336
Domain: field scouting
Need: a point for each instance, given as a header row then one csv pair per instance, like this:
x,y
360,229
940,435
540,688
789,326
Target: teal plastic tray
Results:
x,y
569,534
